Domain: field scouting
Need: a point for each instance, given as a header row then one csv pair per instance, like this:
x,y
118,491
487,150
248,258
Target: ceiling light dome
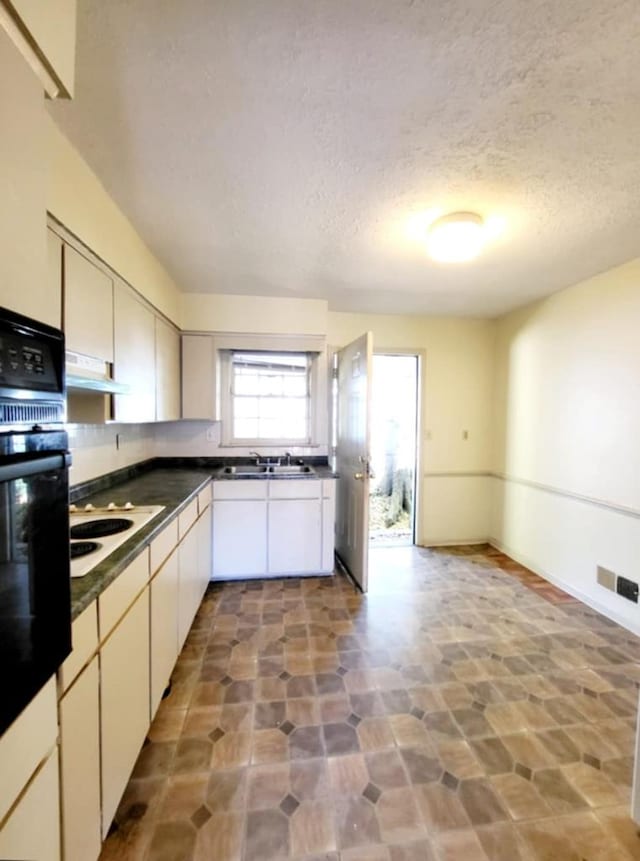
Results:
x,y
456,238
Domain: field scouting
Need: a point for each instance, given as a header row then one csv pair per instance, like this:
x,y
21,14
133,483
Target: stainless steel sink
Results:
x,y
245,470
294,469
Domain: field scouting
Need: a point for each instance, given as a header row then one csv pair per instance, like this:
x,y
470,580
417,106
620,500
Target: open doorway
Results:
x,y
394,415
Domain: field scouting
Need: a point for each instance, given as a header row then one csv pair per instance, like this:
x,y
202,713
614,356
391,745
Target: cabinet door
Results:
x,y
167,372
295,535
124,714
88,307
328,533
188,599
199,377
204,526
134,357
53,312
80,767
239,538
164,627
33,829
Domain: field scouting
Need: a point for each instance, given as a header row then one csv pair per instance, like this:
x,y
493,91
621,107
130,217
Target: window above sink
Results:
x,y
272,397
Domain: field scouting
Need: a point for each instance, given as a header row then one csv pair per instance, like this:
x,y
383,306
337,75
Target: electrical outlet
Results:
x,y
211,434
628,589
465,434
606,578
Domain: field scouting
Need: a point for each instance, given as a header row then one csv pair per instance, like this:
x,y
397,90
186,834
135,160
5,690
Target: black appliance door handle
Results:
x,y
24,468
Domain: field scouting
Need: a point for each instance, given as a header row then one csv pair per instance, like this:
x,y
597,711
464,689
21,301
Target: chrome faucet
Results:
x,y
288,456
257,456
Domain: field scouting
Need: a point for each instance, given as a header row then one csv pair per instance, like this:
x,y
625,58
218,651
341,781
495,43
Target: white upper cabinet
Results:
x,y
49,45
88,307
52,312
134,357
167,372
199,377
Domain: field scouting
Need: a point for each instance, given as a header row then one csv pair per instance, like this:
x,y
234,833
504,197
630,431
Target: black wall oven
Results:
x,y
35,603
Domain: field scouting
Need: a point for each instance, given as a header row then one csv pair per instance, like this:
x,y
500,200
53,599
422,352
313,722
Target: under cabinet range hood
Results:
x,y
86,374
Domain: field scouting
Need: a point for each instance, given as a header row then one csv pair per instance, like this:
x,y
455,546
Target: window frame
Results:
x,y
317,396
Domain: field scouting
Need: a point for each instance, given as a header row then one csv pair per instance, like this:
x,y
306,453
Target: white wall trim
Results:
x,y
568,494
478,473
584,597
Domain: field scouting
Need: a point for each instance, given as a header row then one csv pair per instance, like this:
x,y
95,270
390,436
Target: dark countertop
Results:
x,y
172,482
174,488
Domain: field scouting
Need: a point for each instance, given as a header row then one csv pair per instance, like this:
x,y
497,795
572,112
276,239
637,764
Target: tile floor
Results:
x,y
463,710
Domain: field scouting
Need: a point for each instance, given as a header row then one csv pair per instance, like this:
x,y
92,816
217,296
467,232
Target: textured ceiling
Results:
x,y
299,147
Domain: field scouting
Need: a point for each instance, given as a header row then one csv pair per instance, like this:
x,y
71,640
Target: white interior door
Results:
x,y
353,446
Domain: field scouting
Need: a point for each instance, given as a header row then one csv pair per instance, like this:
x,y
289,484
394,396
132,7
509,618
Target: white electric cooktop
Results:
x,y
97,532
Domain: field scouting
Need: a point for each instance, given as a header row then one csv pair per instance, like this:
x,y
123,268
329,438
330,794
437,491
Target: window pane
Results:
x,y
246,429
246,408
270,395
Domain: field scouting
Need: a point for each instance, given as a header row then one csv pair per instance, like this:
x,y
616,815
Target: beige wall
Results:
x,y
76,198
457,384
206,312
567,424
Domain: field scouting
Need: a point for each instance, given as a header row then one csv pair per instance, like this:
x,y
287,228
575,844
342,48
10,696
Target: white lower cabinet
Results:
x,y
188,564
80,766
204,527
29,778
295,536
124,708
239,538
272,527
164,627
32,831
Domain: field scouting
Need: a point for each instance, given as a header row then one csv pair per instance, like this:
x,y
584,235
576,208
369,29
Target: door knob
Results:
x,y
359,475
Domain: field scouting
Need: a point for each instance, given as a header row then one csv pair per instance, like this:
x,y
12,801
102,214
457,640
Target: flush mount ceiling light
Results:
x,y
456,238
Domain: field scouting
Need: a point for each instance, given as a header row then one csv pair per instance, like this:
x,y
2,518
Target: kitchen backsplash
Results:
x,y
98,449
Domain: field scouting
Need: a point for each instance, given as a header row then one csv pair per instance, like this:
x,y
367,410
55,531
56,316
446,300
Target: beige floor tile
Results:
x,y
232,750
408,731
398,816
375,734
621,828
592,840
520,797
592,784
474,701
269,745
220,837
348,774
441,810
183,796
461,844
312,829
458,758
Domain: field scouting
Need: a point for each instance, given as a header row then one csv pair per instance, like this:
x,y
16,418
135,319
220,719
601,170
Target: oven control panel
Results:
x,y
26,363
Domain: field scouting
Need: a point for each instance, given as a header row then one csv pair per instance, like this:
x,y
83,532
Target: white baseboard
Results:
x,y
589,600
456,542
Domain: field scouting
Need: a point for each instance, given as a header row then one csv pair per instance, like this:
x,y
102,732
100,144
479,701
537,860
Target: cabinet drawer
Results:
x,y
303,488
84,641
204,498
239,489
120,595
162,545
187,518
